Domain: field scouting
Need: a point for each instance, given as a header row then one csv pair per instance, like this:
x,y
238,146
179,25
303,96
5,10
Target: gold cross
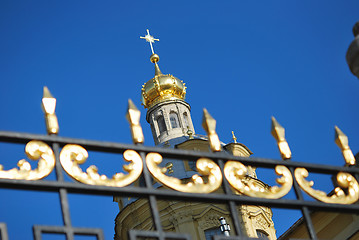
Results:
x,y
150,39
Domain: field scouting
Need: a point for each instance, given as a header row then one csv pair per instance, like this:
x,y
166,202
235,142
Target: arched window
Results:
x,y
161,124
174,120
262,235
185,118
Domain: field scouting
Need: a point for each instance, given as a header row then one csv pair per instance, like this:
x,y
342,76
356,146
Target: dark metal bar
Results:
x,y
37,233
232,238
58,168
304,209
98,232
79,188
152,198
64,203
90,145
233,200
65,209
231,204
49,229
3,232
39,229
133,234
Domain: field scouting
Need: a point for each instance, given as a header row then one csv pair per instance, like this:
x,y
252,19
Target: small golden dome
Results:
x,y
162,87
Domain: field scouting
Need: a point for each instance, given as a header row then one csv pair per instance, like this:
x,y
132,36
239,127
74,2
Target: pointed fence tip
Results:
x,y
338,131
278,133
275,123
133,117
47,93
209,125
343,143
277,130
206,113
131,105
340,138
208,122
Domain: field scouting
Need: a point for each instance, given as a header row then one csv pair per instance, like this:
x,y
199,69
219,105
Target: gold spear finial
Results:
x,y
234,137
49,106
209,125
278,133
133,117
342,141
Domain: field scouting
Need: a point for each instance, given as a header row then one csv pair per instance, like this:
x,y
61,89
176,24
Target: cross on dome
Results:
x,y
150,39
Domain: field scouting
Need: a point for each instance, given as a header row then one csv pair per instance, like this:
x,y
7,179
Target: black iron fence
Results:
x,y
228,197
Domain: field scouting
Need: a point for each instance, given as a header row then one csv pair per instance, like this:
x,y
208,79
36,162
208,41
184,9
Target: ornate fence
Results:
x,y
61,154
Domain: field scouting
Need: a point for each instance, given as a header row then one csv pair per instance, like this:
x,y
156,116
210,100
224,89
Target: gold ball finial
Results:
x,y
190,133
154,58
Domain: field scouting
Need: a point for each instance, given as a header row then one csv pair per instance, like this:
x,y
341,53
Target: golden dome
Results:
x,y
162,87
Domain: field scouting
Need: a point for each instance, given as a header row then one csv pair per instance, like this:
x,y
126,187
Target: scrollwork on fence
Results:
x,y
209,177
205,167
72,155
236,174
34,150
345,180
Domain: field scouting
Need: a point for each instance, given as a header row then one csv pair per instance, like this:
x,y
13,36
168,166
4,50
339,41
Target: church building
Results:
x,y
169,117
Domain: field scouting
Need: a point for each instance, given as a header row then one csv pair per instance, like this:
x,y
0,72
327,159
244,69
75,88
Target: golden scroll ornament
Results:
x,y
235,172
344,180
205,167
34,150
72,155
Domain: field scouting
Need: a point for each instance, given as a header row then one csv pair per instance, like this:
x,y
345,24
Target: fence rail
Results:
x,y
64,187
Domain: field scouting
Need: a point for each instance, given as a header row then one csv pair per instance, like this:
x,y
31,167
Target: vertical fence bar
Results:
x,y
64,203
232,205
3,232
305,211
152,198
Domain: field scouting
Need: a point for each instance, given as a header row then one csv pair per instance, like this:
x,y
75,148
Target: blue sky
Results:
x,y
244,61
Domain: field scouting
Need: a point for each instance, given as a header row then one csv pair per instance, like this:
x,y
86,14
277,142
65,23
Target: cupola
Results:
x,y
162,87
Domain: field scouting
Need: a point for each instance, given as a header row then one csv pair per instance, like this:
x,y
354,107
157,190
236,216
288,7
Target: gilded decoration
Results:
x,y
133,116
49,106
205,167
343,143
72,155
35,150
235,172
163,86
344,180
209,125
278,133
